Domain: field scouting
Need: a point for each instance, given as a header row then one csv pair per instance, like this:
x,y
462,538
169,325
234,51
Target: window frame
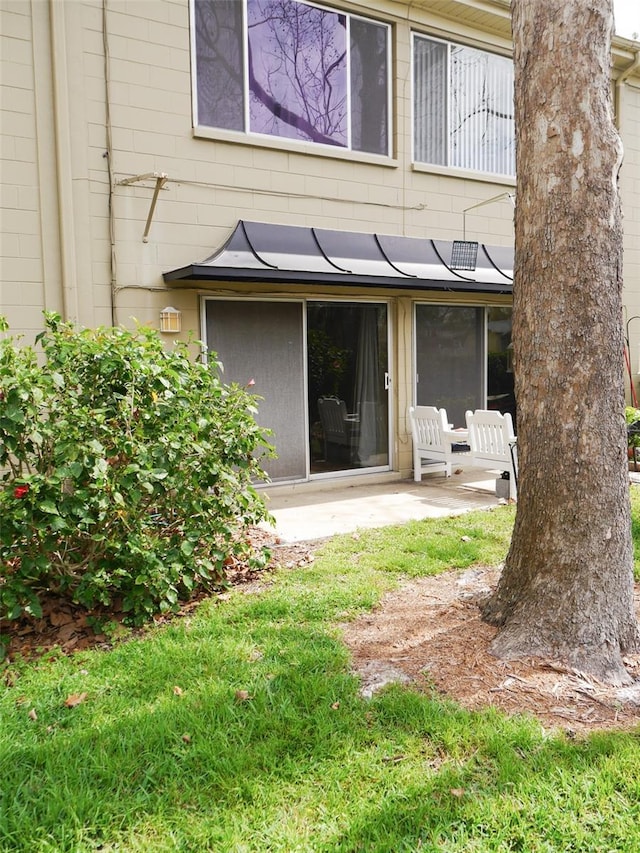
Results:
x,y
249,136
449,167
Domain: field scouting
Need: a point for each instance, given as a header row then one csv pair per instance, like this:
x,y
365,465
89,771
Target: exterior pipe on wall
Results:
x,y
63,159
108,155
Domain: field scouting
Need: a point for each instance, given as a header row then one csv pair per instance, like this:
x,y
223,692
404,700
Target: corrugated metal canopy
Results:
x,y
263,252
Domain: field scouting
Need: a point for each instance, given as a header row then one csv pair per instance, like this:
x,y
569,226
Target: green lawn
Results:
x,y
241,728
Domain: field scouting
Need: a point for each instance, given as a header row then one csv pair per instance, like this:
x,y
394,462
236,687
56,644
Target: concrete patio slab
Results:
x,y
322,508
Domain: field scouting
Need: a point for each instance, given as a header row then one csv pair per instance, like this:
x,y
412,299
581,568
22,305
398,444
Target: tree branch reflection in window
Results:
x,y
298,58
297,71
463,107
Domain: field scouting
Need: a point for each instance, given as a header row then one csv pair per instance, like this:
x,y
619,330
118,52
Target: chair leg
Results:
x,y
417,468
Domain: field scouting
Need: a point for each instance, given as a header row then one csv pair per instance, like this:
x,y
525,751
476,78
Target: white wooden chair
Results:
x,y
430,444
491,439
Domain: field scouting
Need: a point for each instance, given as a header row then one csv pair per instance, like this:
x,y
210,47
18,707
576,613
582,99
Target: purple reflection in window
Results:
x,y
297,71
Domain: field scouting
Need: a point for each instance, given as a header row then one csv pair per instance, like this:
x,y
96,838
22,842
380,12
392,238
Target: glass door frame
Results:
x,y
351,472
486,309
304,300
241,297
483,344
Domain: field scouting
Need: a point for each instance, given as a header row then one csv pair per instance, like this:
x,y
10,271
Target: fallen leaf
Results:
x,y
66,632
74,699
458,792
242,695
32,714
186,738
60,617
177,691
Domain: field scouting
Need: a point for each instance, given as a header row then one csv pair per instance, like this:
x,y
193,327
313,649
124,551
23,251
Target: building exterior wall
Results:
x,y
26,170
630,193
98,93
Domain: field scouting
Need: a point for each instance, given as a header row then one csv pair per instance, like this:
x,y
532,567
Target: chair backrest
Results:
x,y
333,413
490,433
427,426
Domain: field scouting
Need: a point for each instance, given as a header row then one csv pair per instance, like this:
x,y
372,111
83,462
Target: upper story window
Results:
x,y
462,107
294,70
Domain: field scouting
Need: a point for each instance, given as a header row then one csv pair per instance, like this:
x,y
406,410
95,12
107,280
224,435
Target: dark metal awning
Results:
x,y
262,252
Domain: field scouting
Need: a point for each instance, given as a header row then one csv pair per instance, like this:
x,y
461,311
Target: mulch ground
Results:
x,y
429,633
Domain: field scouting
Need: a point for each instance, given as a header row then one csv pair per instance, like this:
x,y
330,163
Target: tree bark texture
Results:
x,y
566,592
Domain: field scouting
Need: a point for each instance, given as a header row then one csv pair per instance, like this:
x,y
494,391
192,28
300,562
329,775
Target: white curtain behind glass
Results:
x,y
430,102
481,118
463,108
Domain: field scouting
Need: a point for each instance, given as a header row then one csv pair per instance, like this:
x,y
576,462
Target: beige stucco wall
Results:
x,y
72,232
216,178
56,178
56,135
25,169
630,192
54,252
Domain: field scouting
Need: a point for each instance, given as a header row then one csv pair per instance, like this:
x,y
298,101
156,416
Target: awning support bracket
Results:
x,y
161,179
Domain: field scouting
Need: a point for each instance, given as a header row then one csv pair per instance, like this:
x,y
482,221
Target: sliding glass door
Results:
x,y
449,358
463,359
321,376
263,341
500,390
347,366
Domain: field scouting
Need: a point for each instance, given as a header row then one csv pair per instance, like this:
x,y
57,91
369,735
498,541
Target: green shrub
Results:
x,y
632,417
127,471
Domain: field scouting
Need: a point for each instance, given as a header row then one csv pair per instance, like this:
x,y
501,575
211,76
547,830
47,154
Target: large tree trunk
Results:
x,y
566,592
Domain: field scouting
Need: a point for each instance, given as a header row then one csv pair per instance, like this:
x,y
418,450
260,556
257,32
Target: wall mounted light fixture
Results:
x,y
170,320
